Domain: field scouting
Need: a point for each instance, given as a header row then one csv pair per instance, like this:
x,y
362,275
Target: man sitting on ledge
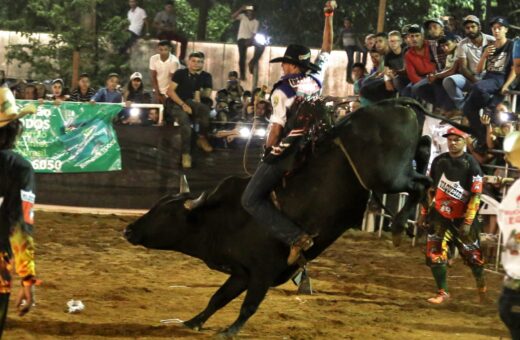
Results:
x,y
187,87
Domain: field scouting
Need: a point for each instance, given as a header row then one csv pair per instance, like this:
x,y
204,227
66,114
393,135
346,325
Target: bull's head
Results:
x,y
166,224
162,227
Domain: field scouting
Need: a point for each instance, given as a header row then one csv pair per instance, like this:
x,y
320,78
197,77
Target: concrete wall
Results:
x,y
14,69
220,59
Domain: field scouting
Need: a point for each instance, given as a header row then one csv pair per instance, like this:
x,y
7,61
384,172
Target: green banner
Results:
x,y
70,137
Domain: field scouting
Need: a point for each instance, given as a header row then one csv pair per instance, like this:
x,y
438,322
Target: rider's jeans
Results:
x,y
256,201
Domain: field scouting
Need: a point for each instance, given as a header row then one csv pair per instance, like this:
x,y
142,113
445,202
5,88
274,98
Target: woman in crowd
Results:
x,y
58,93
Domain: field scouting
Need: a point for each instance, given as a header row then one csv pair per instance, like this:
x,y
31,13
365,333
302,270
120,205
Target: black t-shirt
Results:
x,y
188,83
395,61
501,61
16,194
139,97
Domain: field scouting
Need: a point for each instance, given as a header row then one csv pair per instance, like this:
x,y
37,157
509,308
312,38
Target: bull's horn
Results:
x,y
184,188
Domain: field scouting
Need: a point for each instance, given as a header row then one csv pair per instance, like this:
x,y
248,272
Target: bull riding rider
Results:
x,y
457,180
302,81
16,210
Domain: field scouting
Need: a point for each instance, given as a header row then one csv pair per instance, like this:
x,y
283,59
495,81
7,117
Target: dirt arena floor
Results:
x,y
364,289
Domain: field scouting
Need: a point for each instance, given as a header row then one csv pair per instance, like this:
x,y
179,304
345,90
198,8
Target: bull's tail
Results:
x,y
418,108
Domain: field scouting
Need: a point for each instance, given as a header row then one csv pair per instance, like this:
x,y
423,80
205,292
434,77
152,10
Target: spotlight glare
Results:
x,y
245,132
134,112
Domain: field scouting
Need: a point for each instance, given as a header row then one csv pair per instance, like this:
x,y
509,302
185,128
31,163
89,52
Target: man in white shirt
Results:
x,y
137,18
162,66
468,54
246,37
302,81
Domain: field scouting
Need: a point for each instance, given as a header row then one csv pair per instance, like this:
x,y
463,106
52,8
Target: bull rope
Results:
x,y
339,143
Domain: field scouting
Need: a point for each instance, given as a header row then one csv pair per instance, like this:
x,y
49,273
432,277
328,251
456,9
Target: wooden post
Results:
x,y
381,16
75,68
88,23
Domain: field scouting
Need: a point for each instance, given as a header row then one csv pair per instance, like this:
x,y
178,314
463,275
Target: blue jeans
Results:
x,y
433,93
403,85
455,86
509,310
481,96
256,201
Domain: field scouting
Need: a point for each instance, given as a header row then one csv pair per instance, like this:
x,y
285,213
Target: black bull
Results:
x,y
325,197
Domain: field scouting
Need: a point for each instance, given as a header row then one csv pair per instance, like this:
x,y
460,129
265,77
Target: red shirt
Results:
x,y
419,64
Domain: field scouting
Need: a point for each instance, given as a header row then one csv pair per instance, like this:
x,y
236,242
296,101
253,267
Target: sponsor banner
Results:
x,y
70,137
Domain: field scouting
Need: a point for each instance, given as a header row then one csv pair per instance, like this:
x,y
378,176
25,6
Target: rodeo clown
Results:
x,y
456,190
16,210
509,222
302,81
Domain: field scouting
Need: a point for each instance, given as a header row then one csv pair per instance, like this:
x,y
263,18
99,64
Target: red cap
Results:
x,y
456,132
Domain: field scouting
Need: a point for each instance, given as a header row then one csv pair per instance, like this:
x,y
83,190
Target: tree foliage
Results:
x,y
286,21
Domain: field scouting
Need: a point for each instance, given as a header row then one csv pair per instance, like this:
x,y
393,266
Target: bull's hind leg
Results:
x,y
233,287
256,291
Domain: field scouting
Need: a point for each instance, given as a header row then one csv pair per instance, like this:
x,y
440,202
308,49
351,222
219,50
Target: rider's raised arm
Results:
x,y
326,47
328,32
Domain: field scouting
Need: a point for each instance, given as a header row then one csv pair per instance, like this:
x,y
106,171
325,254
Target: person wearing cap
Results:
x,y
17,195
419,64
134,92
456,190
109,93
435,29
162,67
165,22
496,61
58,93
247,30
467,55
508,217
83,92
187,88
302,81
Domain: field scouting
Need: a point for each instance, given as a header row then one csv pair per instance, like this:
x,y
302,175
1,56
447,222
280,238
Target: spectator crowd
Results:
x,y
465,75
461,73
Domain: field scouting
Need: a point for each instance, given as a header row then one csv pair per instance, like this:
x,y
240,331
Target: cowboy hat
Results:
x,y
297,55
8,108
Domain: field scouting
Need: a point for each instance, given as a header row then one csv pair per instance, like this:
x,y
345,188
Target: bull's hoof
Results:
x,y
396,239
193,324
226,334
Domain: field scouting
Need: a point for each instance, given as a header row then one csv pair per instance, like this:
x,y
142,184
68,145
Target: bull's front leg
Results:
x,y
233,287
256,292
416,192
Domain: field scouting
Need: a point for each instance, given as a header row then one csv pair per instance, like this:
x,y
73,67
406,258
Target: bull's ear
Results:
x,y
184,188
